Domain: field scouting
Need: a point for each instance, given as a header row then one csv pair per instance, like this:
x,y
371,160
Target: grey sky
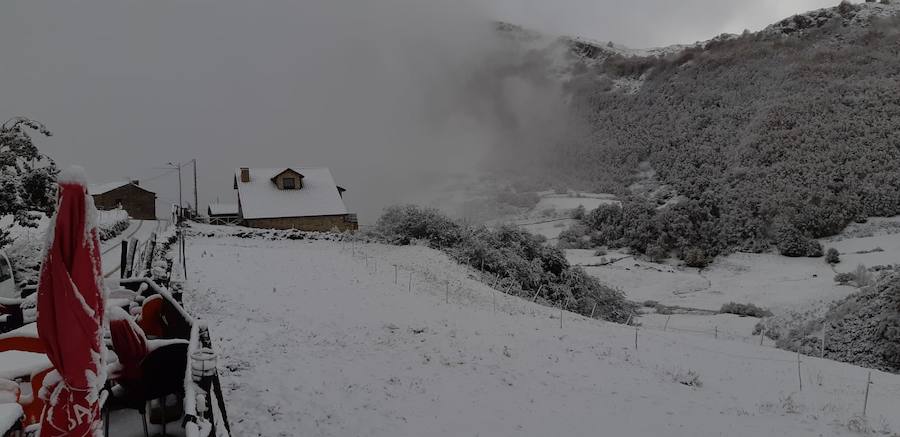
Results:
x,y
374,89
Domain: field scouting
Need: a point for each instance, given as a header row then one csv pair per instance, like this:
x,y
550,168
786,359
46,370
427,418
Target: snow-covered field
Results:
x,y
317,339
779,283
564,202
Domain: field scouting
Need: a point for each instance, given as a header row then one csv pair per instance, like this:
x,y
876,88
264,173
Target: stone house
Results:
x,y
304,198
139,202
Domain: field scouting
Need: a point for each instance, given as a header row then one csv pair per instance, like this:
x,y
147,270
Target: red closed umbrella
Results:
x,y
70,313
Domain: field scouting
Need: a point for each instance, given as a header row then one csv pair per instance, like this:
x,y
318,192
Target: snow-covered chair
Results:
x,y
162,374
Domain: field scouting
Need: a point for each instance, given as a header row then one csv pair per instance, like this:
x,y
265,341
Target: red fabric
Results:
x,y
130,346
151,317
70,314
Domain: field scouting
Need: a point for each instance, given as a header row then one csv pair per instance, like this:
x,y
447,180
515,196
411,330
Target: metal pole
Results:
x,y
180,203
196,205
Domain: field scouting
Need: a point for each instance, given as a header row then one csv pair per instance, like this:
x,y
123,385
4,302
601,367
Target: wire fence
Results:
x,y
813,373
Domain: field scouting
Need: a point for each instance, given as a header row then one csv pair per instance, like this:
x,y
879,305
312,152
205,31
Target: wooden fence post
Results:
x,y
494,298
536,293
799,375
123,259
866,401
560,315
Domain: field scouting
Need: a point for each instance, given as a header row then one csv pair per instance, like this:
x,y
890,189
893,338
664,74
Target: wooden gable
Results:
x,y
288,180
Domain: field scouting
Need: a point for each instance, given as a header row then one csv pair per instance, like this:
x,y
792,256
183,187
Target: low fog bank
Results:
x,y
394,95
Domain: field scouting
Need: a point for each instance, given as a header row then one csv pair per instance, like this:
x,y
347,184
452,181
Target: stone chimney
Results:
x,y
245,174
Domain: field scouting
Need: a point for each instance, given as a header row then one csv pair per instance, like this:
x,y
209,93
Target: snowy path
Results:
x,y
112,253
315,342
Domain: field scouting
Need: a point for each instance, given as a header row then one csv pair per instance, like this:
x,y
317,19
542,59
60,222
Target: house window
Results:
x,y
288,183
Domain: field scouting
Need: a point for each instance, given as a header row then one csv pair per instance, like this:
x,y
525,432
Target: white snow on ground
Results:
x,y
548,228
768,280
314,341
568,202
139,229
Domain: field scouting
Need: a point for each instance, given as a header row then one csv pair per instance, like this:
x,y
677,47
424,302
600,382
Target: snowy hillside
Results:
x,y
850,14
318,339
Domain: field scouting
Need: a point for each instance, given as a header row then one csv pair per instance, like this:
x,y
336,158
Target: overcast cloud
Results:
x,y
375,89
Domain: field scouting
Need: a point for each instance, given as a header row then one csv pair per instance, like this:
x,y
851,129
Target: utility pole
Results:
x,y
177,166
196,205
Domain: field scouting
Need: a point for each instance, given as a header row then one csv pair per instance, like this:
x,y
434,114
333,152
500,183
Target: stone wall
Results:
x,y
322,223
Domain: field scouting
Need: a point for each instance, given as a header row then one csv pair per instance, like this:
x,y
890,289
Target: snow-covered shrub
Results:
x,y
519,259
832,256
844,278
745,309
695,257
112,223
575,237
862,329
656,253
578,213
862,276
689,378
792,242
402,224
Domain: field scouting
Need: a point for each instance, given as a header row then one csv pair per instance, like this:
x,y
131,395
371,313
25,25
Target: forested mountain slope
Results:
x,y
772,137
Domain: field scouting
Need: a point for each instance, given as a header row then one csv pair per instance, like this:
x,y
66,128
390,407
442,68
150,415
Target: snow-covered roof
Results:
x,y
95,189
105,188
261,198
223,209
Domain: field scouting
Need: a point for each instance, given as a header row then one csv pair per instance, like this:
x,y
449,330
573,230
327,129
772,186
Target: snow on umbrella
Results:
x,y
70,312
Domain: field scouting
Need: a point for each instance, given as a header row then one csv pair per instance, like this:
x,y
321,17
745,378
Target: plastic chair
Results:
x,y
35,407
162,374
151,317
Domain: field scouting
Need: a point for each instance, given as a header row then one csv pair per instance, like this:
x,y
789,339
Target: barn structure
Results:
x,y
304,198
139,202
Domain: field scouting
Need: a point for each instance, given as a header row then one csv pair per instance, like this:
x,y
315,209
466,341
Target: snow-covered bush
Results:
x,y
520,260
112,223
688,377
695,257
792,242
862,329
862,276
832,256
745,309
844,278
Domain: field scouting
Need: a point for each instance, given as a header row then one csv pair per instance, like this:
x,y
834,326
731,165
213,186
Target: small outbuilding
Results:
x,y
304,198
137,201
223,214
